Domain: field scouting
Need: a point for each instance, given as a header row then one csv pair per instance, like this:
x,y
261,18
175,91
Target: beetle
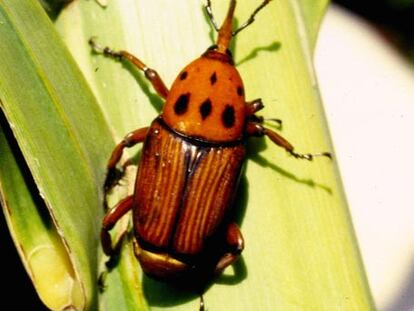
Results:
x,y
191,161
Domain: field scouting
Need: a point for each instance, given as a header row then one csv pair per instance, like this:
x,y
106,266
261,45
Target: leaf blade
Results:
x,y
312,13
33,232
59,128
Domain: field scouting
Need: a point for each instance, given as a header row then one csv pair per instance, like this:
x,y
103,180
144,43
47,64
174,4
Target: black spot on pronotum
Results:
x,y
228,116
240,91
205,108
181,105
183,75
213,78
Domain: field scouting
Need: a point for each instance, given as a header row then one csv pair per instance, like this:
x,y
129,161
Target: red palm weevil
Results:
x,y
191,162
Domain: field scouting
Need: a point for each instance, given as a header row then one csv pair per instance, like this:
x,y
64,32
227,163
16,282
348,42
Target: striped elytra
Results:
x,y
183,190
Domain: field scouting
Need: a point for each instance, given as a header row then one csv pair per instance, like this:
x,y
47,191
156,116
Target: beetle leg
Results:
x,y
235,244
150,74
256,129
202,308
253,107
130,140
110,220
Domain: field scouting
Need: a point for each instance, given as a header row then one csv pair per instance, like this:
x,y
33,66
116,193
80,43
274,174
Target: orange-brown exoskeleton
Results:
x,y
191,162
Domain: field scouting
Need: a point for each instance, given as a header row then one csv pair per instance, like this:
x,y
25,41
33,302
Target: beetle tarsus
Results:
x,y
107,51
102,281
113,177
106,242
310,156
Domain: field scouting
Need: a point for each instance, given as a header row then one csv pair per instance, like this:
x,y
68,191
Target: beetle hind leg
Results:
x,y
235,245
256,105
110,220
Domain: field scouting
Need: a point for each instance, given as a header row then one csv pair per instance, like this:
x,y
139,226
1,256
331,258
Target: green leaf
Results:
x,y
39,245
65,141
309,15
53,7
301,252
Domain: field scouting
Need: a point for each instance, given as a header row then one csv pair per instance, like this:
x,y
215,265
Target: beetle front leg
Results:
x,y
109,221
256,129
130,140
235,244
150,74
253,107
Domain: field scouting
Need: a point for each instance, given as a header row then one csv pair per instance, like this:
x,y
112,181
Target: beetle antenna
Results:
x,y
210,15
251,18
225,32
